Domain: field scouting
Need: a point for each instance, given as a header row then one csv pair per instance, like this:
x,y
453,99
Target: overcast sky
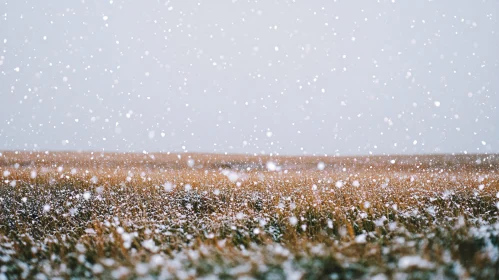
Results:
x,y
286,77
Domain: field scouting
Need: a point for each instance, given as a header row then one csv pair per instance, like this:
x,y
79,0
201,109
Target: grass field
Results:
x,y
186,216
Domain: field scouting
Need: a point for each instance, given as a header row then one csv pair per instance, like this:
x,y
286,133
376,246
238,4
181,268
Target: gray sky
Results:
x,y
286,77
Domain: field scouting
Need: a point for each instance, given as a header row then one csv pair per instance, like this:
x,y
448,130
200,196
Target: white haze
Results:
x,y
282,77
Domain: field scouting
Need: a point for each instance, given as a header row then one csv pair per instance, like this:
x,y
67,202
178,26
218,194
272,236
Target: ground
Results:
x,y
186,216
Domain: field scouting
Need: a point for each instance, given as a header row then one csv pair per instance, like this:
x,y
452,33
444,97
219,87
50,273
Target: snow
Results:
x,y
271,166
335,80
321,165
167,186
309,90
97,268
87,195
361,238
407,262
233,176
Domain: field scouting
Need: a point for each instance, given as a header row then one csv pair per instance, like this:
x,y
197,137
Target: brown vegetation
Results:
x,y
200,215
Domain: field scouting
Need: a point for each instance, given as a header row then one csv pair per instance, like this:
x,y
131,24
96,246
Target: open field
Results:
x,y
186,216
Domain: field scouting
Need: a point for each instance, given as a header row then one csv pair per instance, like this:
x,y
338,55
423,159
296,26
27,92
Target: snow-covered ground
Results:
x,y
163,216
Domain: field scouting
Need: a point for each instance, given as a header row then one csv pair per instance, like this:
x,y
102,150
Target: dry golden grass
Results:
x,y
189,216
